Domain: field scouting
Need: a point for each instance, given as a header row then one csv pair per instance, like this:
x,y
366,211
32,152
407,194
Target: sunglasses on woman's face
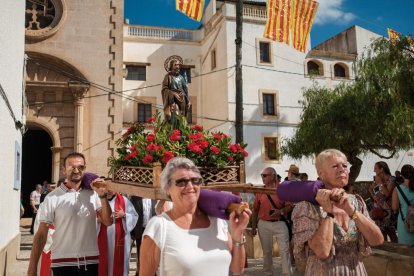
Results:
x,y
182,182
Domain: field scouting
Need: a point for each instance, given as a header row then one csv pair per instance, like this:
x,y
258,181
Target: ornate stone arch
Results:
x,y
55,93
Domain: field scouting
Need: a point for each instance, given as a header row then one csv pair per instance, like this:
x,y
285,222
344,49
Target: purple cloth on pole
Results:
x,y
87,179
215,203
297,190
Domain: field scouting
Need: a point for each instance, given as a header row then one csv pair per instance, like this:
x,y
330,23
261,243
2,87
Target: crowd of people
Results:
x,y
94,228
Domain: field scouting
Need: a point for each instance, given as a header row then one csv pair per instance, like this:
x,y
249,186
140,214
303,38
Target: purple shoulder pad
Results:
x,y
296,190
87,179
215,204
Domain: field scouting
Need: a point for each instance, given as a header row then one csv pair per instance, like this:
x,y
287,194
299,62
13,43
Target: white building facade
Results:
x,y
11,123
274,75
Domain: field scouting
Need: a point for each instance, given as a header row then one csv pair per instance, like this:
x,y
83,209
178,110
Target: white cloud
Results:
x,y
330,11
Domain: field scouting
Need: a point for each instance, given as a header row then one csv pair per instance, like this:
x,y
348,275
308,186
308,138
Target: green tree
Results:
x,y
373,114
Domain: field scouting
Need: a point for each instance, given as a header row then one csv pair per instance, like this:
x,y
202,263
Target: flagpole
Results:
x,y
239,79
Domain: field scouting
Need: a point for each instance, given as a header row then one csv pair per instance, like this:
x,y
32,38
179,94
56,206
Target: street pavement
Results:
x,y
20,267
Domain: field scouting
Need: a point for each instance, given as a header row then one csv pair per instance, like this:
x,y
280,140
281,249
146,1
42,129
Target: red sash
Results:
x,y
46,261
119,243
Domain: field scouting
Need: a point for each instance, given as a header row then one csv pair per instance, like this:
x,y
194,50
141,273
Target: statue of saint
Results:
x,y
174,91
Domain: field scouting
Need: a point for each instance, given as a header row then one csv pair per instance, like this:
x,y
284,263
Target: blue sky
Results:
x,y
333,16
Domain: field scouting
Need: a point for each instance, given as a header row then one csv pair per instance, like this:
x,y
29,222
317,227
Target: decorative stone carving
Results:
x,y
43,18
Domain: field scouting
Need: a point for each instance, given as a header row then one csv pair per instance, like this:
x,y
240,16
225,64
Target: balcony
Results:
x,y
161,33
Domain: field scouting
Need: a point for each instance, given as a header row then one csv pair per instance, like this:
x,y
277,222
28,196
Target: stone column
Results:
x,y
56,163
78,90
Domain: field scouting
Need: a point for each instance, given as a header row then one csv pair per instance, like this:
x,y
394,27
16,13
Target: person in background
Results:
x,y
332,235
49,187
145,209
73,211
34,203
293,172
398,178
381,191
269,220
400,205
184,240
114,262
303,176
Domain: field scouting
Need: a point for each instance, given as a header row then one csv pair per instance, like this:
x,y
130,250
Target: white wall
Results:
x,y
216,90
11,79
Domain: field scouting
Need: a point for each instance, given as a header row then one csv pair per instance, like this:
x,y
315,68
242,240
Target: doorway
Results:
x,y
36,163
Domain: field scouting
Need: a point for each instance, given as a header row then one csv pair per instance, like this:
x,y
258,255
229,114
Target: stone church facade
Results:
x,y
73,70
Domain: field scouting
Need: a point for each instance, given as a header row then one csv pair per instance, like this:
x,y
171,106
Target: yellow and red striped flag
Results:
x,y
393,35
303,13
278,20
191,8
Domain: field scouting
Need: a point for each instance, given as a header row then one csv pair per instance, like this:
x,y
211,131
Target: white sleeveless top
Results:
x,y
194,252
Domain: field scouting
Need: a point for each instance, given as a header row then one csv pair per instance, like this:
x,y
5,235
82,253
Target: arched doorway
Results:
x,y
36,162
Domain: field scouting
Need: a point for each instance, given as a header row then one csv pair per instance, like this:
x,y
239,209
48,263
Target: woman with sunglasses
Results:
x,y
184,240
333,235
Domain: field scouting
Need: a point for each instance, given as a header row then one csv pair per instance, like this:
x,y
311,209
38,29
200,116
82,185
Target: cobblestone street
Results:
x,y
20,267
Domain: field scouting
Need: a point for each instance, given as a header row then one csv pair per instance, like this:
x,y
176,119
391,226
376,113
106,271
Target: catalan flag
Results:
x,y
278,20
191,8
303,13
393,35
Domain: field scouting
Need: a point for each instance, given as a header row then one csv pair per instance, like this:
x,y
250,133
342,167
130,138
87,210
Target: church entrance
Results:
x,y
36,162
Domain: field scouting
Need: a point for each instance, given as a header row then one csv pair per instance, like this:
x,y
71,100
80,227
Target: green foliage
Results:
x,y
139,147
373,114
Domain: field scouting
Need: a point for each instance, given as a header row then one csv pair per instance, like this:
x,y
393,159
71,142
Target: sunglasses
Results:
x,y
182,182
266,174
80,168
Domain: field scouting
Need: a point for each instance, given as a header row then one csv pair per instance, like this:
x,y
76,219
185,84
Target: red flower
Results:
x,y
150,138
131,155
195,148
215,149
197,127
167,156
233,147
217,136
196,136
176,132
245,153
152,147
225,135
175,137
134,147
230,158
148,159
151,119
202,143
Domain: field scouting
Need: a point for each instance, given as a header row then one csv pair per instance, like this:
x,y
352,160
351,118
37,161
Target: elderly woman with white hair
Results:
x,y
331,236
184,240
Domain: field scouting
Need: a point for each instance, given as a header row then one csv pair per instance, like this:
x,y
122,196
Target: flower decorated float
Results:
x,y
143,150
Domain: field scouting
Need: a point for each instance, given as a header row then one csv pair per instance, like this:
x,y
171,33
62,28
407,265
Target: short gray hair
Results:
x,y
325,154
172,166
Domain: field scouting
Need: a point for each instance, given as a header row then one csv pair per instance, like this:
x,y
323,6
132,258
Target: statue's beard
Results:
x,y
176,72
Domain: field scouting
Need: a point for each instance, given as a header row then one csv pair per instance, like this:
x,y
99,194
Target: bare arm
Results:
x,y
395,204
104,214
149,257
39,242
388,189
321,242
237,226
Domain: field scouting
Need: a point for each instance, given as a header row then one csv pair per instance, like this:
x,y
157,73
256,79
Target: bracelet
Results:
x,y
238,244
103,196
354,215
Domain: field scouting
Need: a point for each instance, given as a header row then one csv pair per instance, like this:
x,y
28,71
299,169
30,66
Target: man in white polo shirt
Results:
x,y
73,211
